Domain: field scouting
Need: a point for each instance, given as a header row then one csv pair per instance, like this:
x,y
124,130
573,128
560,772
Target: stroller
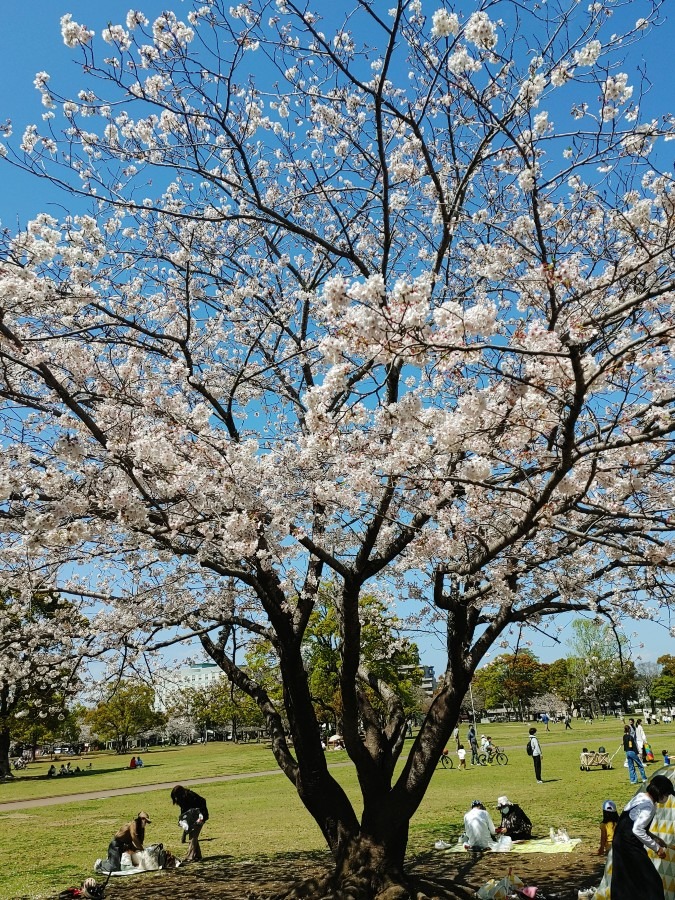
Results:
x,y
599,757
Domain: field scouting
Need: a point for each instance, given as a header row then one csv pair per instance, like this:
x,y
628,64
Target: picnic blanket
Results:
x,y
543,845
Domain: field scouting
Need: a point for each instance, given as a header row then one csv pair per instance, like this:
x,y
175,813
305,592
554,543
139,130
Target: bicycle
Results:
x,y
445,760
494,754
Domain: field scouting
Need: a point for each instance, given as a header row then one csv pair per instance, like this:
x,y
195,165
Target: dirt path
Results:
x,y
137,789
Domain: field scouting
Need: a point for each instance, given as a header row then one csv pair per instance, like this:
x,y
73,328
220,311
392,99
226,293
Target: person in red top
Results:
x,y
132,764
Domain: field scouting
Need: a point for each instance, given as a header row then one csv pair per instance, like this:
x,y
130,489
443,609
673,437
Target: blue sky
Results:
x,y
30,41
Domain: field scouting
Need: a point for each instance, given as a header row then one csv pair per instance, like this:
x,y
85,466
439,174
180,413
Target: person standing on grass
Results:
x,y
640,739
193,815
632,758
461,754
568,722
536,754
633,873
473,743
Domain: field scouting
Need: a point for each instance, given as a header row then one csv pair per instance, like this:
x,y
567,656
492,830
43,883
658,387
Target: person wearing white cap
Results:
x,y
478,827
609,819
514,822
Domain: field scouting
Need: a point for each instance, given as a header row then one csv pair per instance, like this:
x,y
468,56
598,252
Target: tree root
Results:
x,y
360,887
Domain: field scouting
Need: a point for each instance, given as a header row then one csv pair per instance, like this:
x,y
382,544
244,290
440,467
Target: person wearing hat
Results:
x,y
633,873
478,827
609,819
129,837
514,822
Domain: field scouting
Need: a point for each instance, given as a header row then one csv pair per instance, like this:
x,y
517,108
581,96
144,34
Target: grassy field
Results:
x,y
47,848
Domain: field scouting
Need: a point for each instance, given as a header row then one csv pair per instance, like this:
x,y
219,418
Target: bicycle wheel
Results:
x,y
446,761
502,758
482,759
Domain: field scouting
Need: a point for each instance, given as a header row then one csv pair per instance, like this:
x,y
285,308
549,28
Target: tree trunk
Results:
x,y
366,868
371,868
5,765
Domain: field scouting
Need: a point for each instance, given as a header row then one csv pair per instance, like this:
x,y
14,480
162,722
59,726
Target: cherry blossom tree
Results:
x,y
41,639
385,297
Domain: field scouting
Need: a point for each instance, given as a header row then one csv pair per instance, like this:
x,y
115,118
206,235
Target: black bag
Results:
x,y
189,820
528,748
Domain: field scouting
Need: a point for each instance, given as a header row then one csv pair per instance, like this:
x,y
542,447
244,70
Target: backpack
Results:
x,y
528,747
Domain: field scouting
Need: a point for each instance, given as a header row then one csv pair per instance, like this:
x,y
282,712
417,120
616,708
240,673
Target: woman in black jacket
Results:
x,y
193,814
514,822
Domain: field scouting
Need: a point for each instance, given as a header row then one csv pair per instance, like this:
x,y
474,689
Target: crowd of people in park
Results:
x,y
65,769
627,833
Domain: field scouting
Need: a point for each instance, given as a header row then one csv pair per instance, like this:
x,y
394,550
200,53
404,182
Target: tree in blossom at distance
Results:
x,y
386,300
43,641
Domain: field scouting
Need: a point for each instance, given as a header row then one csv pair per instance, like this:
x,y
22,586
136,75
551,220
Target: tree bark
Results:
x,y
5,765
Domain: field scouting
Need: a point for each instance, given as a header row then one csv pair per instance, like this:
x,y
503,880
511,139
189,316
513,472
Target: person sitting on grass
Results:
x,y
132,764
666,758
514,822
129,837
478,828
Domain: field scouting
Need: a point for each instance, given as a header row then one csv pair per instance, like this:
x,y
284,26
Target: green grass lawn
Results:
x,y
109,770
55,846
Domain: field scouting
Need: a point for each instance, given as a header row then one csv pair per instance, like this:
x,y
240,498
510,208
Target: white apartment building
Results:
x,y
198,676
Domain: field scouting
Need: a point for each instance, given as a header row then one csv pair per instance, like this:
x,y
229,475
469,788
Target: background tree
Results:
x,y
513,680
39,665
387,299
220,706
647,675
664,686
562,682
600,666
127,711
40,727
391,658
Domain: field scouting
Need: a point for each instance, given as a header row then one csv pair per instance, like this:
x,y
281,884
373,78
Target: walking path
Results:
x,y
136,789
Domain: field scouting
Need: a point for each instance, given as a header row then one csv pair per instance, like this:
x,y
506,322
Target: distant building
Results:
x,y
198,676
428,682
